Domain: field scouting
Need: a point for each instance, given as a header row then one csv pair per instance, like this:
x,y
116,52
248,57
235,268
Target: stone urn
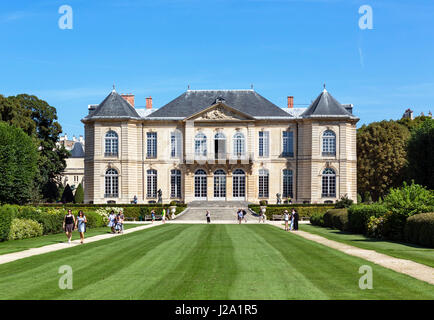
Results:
x,y
172,211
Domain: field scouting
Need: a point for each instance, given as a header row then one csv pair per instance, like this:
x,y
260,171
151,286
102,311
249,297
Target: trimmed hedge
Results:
x,y
303,210
317,219
7,214
336,218
359,214
419,229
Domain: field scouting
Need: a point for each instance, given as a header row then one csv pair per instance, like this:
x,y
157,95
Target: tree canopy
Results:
x,y
381,157
18,165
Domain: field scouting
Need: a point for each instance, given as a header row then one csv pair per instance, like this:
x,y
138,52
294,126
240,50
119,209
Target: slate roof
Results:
x,y
113,107
326,106
193,101
77,151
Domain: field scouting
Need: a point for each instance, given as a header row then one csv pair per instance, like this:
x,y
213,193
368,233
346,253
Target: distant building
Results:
x,y
221,145
74,171
408,114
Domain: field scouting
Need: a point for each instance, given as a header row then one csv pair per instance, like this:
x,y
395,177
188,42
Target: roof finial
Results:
x,y
114,89
251,86
325,90
188,87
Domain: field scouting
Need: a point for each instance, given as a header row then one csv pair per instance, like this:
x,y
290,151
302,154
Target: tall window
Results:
x,y
111,143
329,143
264,143
328,183
239,145
287,183
239,184
219,184
111,183
263,183
200,144
151,145
175,184
152,183
175,144
200,184
288,144
219,146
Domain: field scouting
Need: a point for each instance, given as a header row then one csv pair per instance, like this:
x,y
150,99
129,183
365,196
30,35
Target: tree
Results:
x,y
79,194
67,196
381,157
18,165
420,150
414,124
47,130
14,114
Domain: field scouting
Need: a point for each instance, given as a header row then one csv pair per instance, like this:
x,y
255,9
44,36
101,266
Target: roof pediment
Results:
x,y
220,112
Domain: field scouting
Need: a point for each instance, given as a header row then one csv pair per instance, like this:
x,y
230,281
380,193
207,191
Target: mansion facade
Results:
x,y
219,145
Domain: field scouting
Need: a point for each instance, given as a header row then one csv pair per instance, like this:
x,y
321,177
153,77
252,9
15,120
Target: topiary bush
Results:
x,y
24,228
359,214
343,202
336,218
419,229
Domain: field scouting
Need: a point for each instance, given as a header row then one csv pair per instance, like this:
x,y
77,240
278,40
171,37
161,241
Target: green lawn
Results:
x,y
20,245
394,249
176,261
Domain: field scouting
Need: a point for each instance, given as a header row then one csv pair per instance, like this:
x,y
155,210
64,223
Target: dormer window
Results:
x,y
219,100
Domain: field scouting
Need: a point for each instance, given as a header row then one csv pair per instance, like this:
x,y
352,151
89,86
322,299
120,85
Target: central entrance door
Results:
x,y
200,185
219,185
239,185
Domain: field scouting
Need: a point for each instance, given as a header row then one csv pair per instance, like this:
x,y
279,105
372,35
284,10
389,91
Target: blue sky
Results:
x,y
158,48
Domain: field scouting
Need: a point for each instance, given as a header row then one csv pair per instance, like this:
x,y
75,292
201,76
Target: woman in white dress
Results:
x,y
286,219
112,221
80,224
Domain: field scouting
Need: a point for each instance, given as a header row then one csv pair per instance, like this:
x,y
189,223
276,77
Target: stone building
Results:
x,y
219,145
74,171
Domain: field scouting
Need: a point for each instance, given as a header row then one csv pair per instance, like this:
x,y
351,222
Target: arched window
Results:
x,y
200,184
220,146
200,144
263,183
175,183
239,144
219,184
287,183
111,143
151,183
328,183
239,184
175,144
111,183
329,143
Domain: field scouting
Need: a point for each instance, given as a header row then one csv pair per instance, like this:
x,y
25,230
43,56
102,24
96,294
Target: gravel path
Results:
x,y
408,267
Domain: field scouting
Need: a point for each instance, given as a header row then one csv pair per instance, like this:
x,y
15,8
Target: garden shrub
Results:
x,y
375,227
419,229
24,228
336,218
343,202
359,214
95,220
317,219
7,214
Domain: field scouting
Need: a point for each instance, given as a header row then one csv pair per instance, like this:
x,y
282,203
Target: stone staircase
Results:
x,y
219,210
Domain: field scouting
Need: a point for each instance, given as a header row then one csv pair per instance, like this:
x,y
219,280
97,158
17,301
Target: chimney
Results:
x,y
290,102
149,103
129,97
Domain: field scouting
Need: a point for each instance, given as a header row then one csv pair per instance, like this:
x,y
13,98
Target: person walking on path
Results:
x,y
244,215
292,219
112,221
80,224
163,216
68,225
239,216
286,219
295,220
208,217
120,222
153,216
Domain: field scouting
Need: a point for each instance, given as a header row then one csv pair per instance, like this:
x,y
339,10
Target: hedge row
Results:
x,y
359,214
419,229
336,218
303,210
50,220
